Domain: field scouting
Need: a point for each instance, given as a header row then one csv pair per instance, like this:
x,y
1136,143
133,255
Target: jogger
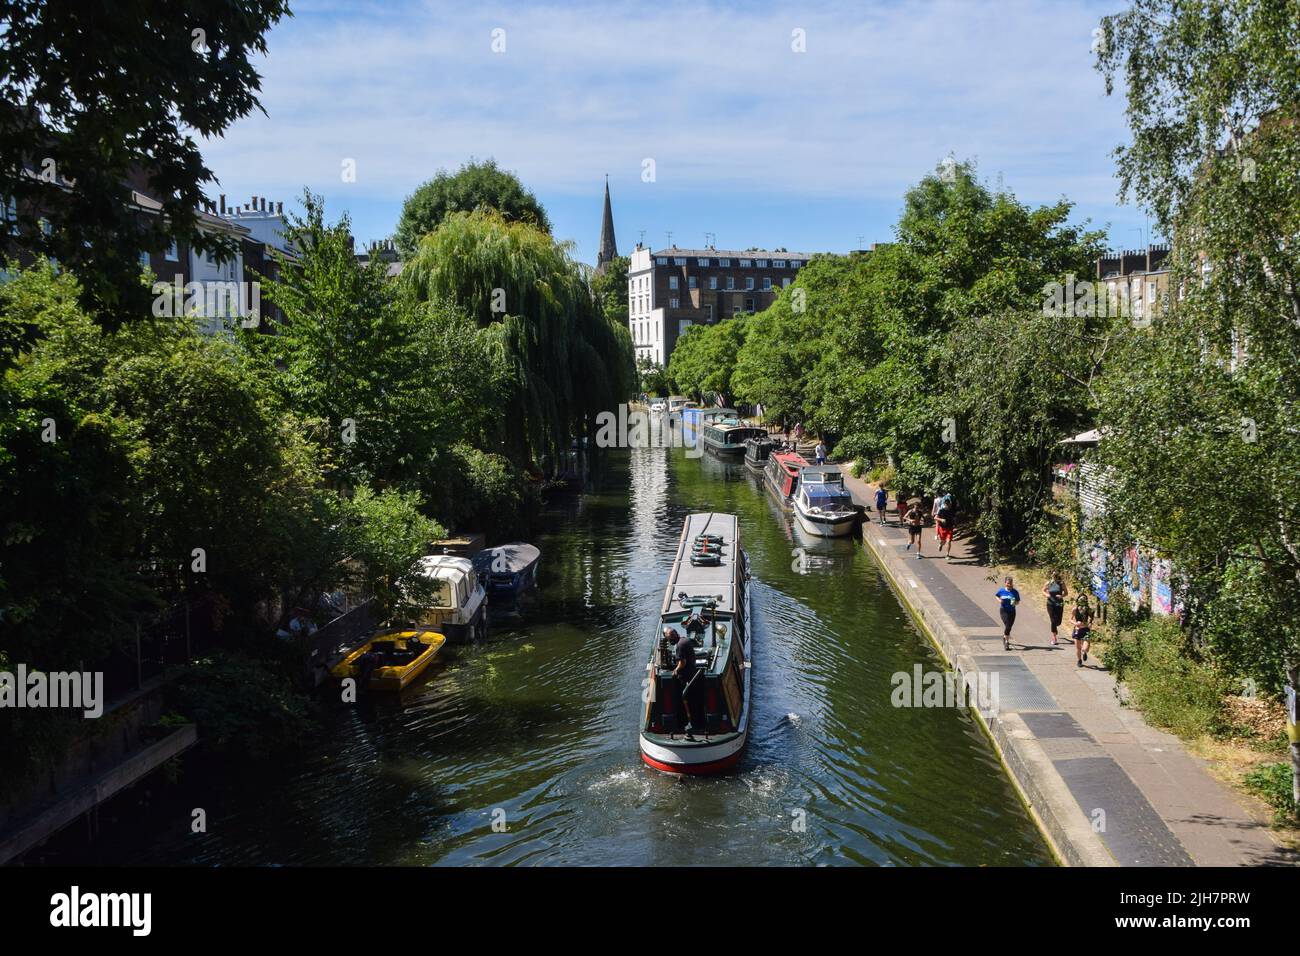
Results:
x,y
1008,597
1082,620
1056,592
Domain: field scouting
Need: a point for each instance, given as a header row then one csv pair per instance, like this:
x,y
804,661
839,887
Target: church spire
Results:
x,y
608,248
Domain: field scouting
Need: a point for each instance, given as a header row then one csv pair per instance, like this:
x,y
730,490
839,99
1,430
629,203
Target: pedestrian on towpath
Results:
x,y
1056,592
915,519
882,502
1082,621
944,519
934,513
820,452
1008,597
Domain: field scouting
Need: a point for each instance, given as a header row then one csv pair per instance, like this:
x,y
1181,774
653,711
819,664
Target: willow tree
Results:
x,y
568,361
1201,406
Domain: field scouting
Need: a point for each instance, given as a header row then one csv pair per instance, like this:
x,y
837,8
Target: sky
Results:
x,y
706,117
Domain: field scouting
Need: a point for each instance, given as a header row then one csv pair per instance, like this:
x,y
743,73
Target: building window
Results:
x,y
749,305
767,283
749,283
690,282
11,216
725,263
679,261
661,260
746,263
778,263
785,282
672,282
713,282
731,282
703,262
794,264
674,302
708,311
173,253
144,260
735,311
762,263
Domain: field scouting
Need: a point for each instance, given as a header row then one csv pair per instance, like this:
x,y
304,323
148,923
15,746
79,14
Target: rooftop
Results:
x,y
731,253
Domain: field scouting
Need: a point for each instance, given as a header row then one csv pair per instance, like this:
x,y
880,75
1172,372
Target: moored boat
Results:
x,y
456,603
694,420
508,569
782,476
700,726
822,504
727,436
391,660
678,404
757,451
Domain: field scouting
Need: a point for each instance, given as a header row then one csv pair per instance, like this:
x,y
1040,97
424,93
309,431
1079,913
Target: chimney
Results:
x,y
223,204
263,204
279,209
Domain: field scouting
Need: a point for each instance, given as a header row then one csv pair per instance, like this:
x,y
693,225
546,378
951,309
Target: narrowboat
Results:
x,y
757,450
727,436
391,659
694,420
701,728
822,505
782,476
457,601
507,570
677,404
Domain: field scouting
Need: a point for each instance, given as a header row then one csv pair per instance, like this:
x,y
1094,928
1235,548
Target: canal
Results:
x,y
523,750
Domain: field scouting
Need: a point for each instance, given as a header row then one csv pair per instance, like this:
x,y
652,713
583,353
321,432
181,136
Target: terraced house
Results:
x,y
673,289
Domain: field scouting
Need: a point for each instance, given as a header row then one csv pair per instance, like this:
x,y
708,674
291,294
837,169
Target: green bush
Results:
x,y
243,706
1272,782
1172,686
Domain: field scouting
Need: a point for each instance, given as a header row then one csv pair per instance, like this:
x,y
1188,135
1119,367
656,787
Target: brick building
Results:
x,y
673,289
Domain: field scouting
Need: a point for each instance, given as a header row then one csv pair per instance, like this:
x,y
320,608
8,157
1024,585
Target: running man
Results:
x,y
934,513
882,502
1056,592
943,524
1082,621
915,519
1008,598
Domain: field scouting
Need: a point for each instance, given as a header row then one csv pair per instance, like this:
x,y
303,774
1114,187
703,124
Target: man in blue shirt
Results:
x,y
882,499
1008,597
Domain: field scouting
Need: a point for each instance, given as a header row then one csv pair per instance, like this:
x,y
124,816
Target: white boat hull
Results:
x,y
825,526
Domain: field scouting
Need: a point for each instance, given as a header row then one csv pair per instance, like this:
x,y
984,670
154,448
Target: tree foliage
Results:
x,y
476,185
94,97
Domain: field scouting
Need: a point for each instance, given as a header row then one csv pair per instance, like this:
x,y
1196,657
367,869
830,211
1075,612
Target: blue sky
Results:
x,y
751,141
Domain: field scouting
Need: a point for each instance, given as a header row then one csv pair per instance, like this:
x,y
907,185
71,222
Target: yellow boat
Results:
x,y
391,660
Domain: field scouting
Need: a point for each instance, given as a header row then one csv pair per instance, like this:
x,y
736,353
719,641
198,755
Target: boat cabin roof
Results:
x,y
791,461
445,566
822,473
507,558
704,583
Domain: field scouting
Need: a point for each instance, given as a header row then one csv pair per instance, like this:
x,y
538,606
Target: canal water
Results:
x,y
523,750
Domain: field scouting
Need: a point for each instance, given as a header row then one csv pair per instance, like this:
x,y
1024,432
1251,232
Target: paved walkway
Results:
x,y
1108,789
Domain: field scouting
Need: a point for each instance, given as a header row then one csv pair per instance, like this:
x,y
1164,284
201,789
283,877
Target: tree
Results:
x,y
475,185
95,98
610,288
566,360
652,376
1201,406
704,358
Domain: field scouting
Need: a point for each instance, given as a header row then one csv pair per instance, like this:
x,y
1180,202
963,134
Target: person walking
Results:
x,y
1082,621
1008,597
1056,592
820,452
934,513
882,502
944,520
915,519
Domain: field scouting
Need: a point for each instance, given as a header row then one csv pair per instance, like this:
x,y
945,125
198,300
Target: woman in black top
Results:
x,y
1056,592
